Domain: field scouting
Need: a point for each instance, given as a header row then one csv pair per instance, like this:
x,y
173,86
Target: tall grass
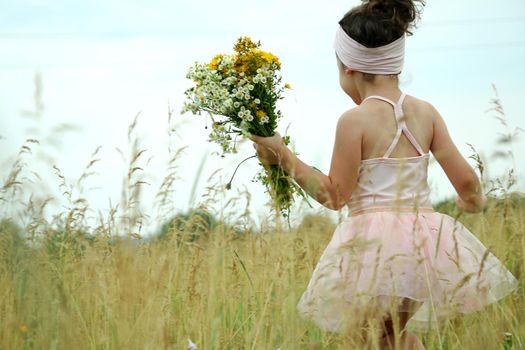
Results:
x,y
71,283
223,291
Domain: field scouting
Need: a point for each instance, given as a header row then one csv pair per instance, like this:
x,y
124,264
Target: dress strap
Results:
x,y
401,124
380,98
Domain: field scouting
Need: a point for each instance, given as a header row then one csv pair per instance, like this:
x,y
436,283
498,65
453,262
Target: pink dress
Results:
x,y
394,245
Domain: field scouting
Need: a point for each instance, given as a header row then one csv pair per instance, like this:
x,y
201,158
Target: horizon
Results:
x,y
102,64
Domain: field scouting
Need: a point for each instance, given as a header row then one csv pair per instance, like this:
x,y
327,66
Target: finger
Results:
x,y
274,152
253,137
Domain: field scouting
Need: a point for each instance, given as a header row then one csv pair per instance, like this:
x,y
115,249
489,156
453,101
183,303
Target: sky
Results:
x,y
103,63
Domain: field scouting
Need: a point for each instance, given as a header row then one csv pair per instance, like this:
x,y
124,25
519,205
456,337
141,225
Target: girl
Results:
x,y
393,259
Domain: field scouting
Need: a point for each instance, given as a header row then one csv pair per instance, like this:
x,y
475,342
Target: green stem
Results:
x,y
229,184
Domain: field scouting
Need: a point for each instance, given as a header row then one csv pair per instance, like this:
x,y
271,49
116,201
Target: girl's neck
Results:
x,y
386,86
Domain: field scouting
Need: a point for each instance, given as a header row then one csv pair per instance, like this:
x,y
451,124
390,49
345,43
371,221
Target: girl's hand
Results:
x,y
269,149
470,208
460,203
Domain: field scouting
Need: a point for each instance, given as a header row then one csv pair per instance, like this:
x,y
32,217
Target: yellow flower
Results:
x,y
270,58
245,44
23,328
214,64
260,114
249,57
287,86
241,64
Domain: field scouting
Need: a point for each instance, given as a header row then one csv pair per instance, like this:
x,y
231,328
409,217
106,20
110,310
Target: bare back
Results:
x,y
427,127
379,128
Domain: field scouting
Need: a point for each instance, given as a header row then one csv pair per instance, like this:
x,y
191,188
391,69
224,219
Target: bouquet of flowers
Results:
x,y
239,92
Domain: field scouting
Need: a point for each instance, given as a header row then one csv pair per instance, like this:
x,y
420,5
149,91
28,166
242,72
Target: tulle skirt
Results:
x,y
386,256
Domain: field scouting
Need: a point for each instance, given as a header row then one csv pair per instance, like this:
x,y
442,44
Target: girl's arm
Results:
x,y
332,190
459,172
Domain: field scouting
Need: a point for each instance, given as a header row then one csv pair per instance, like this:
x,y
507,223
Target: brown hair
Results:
x,y
376,23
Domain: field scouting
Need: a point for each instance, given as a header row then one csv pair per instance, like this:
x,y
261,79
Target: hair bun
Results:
x,y
400,14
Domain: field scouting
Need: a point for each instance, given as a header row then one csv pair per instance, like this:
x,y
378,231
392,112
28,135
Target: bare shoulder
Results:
x,y
353,114
353,118
421,108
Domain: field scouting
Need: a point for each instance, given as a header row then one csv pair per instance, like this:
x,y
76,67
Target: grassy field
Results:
x,y
220,286
208,277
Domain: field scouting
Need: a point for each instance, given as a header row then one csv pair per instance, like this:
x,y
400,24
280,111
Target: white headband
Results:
x,y
387,59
